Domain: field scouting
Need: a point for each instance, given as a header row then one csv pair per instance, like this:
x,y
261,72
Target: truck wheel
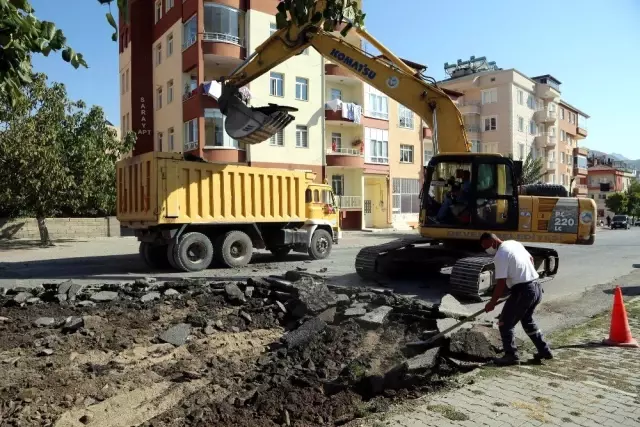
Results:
x,y
234,249
321,244
280,253
194,252
171,255
155,256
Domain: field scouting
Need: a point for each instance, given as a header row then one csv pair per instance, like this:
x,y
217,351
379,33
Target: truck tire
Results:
x,y
321,244
280,253
155,256
545,190
193,252
234,249
171,255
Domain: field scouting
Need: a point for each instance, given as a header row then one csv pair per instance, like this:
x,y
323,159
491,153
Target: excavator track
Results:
x,y
467,278
366,260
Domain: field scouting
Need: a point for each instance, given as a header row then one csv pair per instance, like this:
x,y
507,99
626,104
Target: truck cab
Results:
x,y
321,207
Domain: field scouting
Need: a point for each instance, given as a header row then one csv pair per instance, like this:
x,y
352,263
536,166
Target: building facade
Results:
x,y
369,148
605,177
509,113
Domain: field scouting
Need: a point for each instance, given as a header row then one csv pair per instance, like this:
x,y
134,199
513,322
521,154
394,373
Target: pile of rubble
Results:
x,y
278,350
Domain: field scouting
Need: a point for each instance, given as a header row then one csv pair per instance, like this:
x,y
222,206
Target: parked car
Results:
x,y
620,221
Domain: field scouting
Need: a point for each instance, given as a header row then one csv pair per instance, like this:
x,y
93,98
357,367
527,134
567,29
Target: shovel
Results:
x,y
460,323
251,125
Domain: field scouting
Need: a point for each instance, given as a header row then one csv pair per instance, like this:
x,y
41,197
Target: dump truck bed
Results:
x,y
162,188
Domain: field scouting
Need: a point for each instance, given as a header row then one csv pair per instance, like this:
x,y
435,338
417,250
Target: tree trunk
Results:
x,y
45,240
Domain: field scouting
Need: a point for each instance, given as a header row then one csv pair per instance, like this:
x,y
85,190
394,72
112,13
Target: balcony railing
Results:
x,y
349,202
473,128
345,151
222,37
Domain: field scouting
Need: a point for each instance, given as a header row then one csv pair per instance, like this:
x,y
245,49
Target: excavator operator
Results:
x,y
455,207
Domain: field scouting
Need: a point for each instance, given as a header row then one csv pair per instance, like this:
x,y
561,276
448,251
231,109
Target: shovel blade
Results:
x,y
252,125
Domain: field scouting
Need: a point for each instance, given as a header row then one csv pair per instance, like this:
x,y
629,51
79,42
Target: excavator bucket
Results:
x,y
251,125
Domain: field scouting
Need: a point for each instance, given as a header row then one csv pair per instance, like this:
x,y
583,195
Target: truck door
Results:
x,y
495,204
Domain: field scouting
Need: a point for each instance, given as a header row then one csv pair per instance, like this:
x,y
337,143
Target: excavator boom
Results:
x,y
393,77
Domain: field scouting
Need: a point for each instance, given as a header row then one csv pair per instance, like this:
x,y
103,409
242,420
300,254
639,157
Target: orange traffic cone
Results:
x,y
619,333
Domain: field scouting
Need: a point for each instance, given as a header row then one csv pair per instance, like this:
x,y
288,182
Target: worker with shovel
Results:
x,y
514,270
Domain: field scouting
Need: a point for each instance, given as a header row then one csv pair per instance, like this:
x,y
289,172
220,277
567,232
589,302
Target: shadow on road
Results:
x,y
627,291
11,245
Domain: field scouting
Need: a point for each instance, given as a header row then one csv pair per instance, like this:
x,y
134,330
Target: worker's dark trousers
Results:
x,y
520,306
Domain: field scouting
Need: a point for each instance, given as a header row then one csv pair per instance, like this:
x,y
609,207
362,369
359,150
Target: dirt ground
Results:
x,y
109,363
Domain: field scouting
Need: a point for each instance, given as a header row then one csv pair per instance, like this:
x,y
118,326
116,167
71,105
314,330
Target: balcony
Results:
x,y
194,101
580,151
577,171
427,133
580,190
469,107
547,91
545,140
337,74
551,166
343,113
349,202
345,157
473,132
545,116
581,132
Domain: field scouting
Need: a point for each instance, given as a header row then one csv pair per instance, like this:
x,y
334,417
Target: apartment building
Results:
x,y
605,177
171,49
369,148
509,113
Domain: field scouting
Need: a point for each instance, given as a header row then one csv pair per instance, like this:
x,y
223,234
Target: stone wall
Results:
x,y
60,228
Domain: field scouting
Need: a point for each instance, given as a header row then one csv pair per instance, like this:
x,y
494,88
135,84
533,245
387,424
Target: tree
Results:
x,y
55,156
617,203
22,35
633,198
532,169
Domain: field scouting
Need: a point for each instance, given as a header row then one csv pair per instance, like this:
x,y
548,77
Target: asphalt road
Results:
x,y
582,268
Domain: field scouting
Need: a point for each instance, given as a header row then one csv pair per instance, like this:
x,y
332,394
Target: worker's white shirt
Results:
x,y
513,262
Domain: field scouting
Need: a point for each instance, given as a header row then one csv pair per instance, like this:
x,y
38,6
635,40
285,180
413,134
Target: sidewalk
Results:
x,y
586,385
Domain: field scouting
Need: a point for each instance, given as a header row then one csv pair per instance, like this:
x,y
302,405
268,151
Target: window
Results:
x,y
169,91
521,151
168,4
122,84
214,134
405,117
533,128
191,135
490,123
428,154
302,89
531,102
223,24
520,97
336,142
171,139
562,113
406,153
337,183
376,145
158,11
128,127
521,124
272,28
276,84
563,135
302,137
490,96
552,131
126,81
475,146
376,104
169,45
158,98
159,54
406,196
189,32
159,141
562,158
277,139
336,94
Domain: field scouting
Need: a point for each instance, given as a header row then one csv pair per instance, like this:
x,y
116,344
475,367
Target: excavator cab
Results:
x,y
469,191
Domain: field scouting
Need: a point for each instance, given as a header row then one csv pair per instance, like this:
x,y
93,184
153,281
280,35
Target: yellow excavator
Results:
x,y
463,195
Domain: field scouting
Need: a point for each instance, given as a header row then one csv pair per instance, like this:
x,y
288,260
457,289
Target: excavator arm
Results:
x,y
391,77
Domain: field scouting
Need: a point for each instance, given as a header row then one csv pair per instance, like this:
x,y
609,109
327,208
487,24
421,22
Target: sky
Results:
x,y
593,49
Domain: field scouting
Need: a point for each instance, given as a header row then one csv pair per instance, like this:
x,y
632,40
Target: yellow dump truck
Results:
x,y
190,214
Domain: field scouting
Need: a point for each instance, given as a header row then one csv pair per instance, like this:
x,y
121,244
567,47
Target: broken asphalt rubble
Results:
x,y
340,345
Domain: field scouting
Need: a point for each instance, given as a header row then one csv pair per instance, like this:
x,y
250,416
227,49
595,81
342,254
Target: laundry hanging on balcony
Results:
x,y
349,110
214,90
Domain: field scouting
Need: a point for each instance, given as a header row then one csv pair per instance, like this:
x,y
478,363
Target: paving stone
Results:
x,y
234,293
305,333
312,297
74,290
171,292
104,296
375,318
64,287
72,324
86,303
423,362
43,322
451,307
22,297
151,296
342,299
353,312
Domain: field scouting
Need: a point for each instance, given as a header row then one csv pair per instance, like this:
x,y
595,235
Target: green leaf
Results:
x,y
67,54
114,36
112,21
